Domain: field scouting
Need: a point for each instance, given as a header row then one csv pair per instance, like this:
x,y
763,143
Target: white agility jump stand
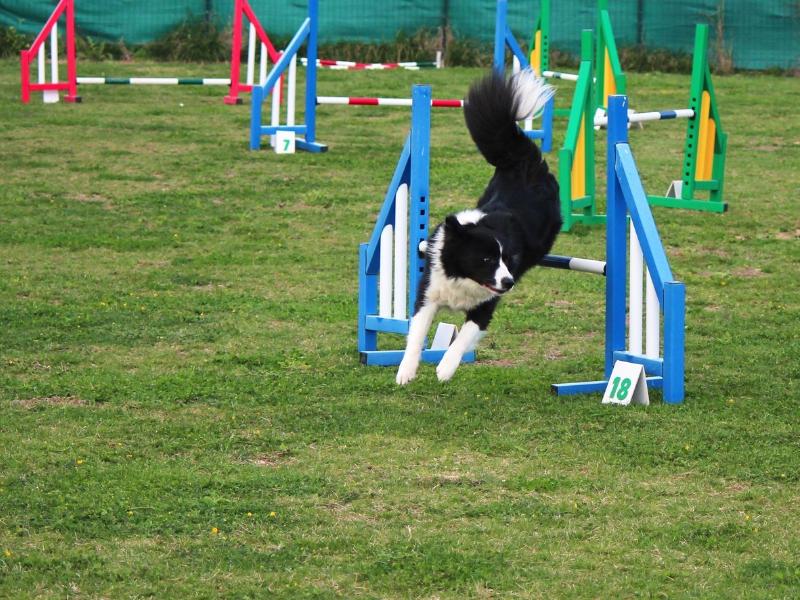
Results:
x,y
385,293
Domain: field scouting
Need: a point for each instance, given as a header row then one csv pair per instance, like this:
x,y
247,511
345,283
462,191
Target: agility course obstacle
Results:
x,y
306,32
388,282
609,76
152,81
626,195
504,37
391,265
50,29
355,66
385,101
66,8
706,143
704,155
256,33
576,157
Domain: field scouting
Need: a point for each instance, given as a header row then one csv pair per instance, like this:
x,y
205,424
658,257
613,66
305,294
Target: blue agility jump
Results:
x,y
402,226
626,195
307,31
390,265
504,37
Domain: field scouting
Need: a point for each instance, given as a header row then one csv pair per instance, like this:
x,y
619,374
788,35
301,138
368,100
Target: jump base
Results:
x,y
590,387
389,358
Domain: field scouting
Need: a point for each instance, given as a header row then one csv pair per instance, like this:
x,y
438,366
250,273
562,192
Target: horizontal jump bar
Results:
x,y
151,81
585,265
680,113
384,101
346,64
557,75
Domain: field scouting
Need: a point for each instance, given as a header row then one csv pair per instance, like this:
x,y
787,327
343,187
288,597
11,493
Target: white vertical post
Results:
x,y
54,54
439,63
262,73
385,283
41,63
653,320
400,251
251,53
49,96
635,295
291,91
41,67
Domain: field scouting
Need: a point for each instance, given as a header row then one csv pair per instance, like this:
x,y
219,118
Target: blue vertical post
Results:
x,y
547,126
500,36
309,142
419,193
616,235
367,302
256,104
674,301
311,70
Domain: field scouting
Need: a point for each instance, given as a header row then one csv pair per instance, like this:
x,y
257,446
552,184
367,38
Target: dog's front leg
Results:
x,y
471,333
417,332
467,339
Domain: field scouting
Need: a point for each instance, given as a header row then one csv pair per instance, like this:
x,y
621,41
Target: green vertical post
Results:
x,y
699,63
701,83
543,26
606,42
581,114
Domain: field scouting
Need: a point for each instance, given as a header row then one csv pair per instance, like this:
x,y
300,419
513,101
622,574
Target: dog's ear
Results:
x,y
452,225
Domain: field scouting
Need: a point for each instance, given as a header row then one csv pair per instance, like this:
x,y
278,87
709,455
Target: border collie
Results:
x,y
476,256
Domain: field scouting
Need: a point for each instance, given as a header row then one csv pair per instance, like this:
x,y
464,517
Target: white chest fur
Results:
x,y
456,293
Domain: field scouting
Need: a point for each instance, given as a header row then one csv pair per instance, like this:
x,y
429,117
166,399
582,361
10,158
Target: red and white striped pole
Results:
x,y
384,102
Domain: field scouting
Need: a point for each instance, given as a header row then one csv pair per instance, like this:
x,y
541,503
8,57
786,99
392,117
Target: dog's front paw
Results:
x,y
406,372
447,366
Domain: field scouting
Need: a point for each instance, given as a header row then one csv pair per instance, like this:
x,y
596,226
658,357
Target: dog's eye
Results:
x,y
487,259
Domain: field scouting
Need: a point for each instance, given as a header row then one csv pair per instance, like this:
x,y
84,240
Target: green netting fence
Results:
x,y
756,34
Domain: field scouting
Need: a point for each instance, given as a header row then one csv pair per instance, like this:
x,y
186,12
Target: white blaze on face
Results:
x,y
502,272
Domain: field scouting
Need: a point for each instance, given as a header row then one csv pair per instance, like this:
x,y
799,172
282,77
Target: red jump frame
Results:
x,y
71,85
240,8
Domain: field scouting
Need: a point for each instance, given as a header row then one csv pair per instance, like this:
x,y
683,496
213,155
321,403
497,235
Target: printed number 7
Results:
x,y
286,144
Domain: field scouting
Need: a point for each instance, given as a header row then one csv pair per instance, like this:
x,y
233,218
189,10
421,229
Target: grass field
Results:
x,y
183,413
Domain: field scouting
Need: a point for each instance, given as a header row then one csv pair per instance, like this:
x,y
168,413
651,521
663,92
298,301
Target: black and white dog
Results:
x,y
477,255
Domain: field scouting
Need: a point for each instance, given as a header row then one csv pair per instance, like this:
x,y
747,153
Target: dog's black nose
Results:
x,y
507,283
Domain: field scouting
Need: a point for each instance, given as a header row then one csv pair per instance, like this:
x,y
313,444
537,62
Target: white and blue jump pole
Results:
x,y
664,294
388,282
307,31
502,37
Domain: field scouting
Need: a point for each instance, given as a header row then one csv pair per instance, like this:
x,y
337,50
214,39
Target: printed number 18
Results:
x,y
622,393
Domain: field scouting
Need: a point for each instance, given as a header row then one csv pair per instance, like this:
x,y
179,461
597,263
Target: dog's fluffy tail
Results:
x,y
492,108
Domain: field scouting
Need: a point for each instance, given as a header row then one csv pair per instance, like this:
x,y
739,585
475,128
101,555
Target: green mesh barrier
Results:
x,y
757,33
